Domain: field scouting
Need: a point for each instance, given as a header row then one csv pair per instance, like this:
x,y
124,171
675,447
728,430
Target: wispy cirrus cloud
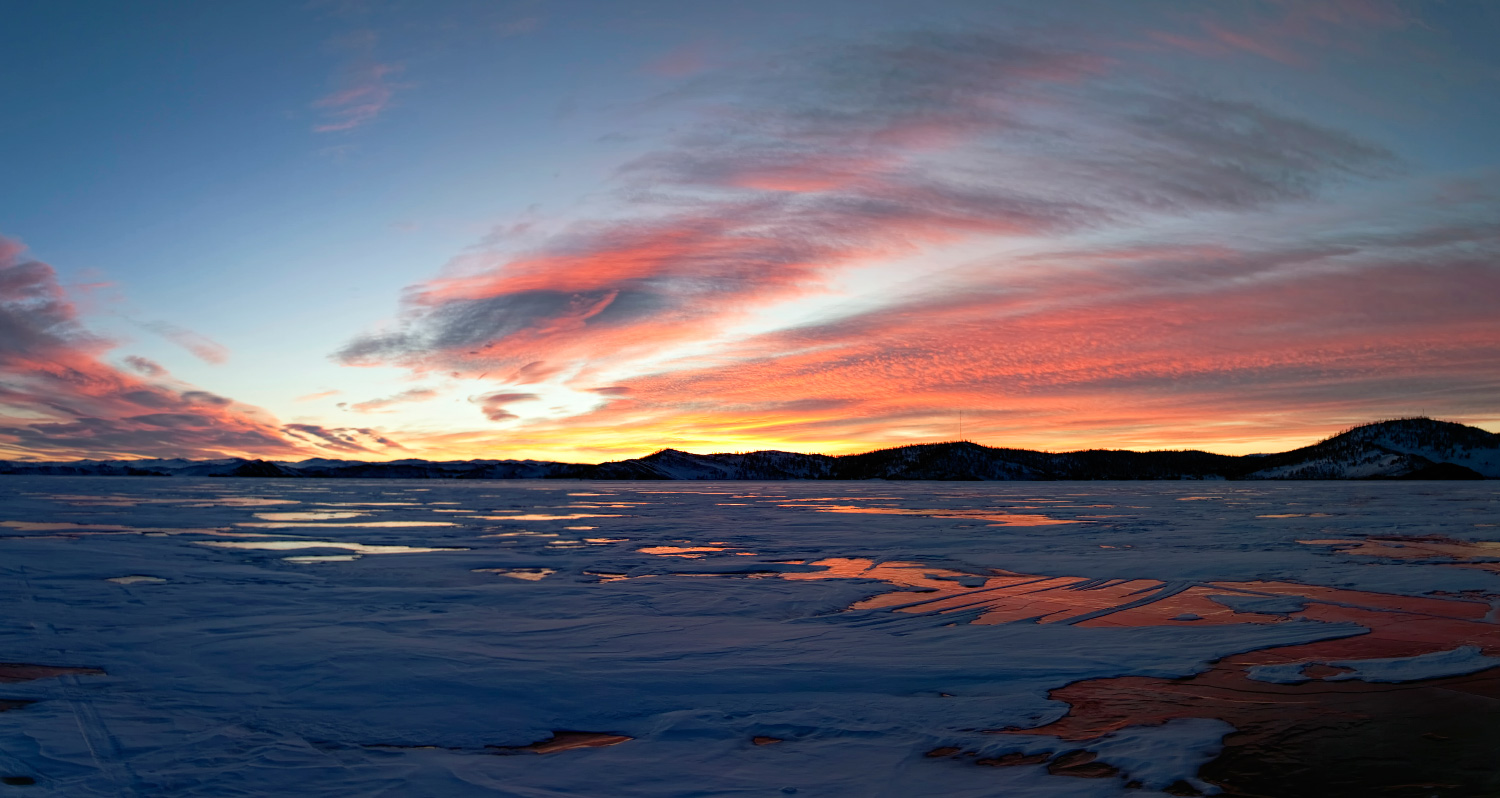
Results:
x,y
364,87
1294,33
201,346
60,399
404,397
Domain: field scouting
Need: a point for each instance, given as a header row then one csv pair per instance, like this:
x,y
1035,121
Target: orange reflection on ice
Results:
x,y
323,525
1005,597
691,552
1462,553
999,518
904,574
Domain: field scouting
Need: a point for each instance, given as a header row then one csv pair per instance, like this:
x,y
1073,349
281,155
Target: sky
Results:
x,y
584,231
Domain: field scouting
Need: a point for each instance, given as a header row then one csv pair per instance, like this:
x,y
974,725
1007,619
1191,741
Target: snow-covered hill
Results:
x,y
1403,448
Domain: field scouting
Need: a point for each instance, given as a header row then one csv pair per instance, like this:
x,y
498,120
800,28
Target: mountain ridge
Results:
x,y
1408,448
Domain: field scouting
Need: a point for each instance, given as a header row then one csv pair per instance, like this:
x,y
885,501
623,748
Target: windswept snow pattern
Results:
x,y
209,637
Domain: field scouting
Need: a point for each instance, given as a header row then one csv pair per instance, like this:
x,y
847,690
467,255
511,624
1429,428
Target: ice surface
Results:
x,y
1436,665
249,672
1276,605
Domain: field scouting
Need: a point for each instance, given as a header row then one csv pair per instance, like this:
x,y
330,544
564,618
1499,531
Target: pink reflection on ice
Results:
x,y
999,518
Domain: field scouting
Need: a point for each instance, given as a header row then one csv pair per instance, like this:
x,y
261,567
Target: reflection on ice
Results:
x,y
134,579
287,545
241,501
543,517
1294,515
527,574
309,559
314,515
691,552
70,529
368,504
364,524
1483,555
999,518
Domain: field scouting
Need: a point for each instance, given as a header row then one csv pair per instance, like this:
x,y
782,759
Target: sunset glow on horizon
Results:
x,y
582,232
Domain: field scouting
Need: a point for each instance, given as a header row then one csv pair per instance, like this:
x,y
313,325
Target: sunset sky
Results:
x,y
588,230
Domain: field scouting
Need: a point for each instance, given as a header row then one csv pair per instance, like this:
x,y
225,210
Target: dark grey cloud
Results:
x,y
36,320
343,439
144,366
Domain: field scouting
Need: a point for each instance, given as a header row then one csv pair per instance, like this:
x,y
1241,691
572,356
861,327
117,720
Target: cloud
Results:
x,y
141,365
60,400
313,397
1294,33
1094,255
494,404
201,346
364,92
348,440
877,150
375,405
686,60
1132,346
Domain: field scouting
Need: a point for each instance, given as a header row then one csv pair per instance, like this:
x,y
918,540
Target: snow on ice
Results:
x,y
885,636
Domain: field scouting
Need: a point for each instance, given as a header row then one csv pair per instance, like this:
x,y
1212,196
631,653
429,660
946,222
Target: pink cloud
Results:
x,y
493,405
60,400
405,397
1296,33
686,60
899,150
202,347
359,103
881,151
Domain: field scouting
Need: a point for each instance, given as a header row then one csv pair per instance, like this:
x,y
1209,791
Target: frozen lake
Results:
x,y
405,638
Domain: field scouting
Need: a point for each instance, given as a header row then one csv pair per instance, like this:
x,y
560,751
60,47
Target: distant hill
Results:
x,y
1408,448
